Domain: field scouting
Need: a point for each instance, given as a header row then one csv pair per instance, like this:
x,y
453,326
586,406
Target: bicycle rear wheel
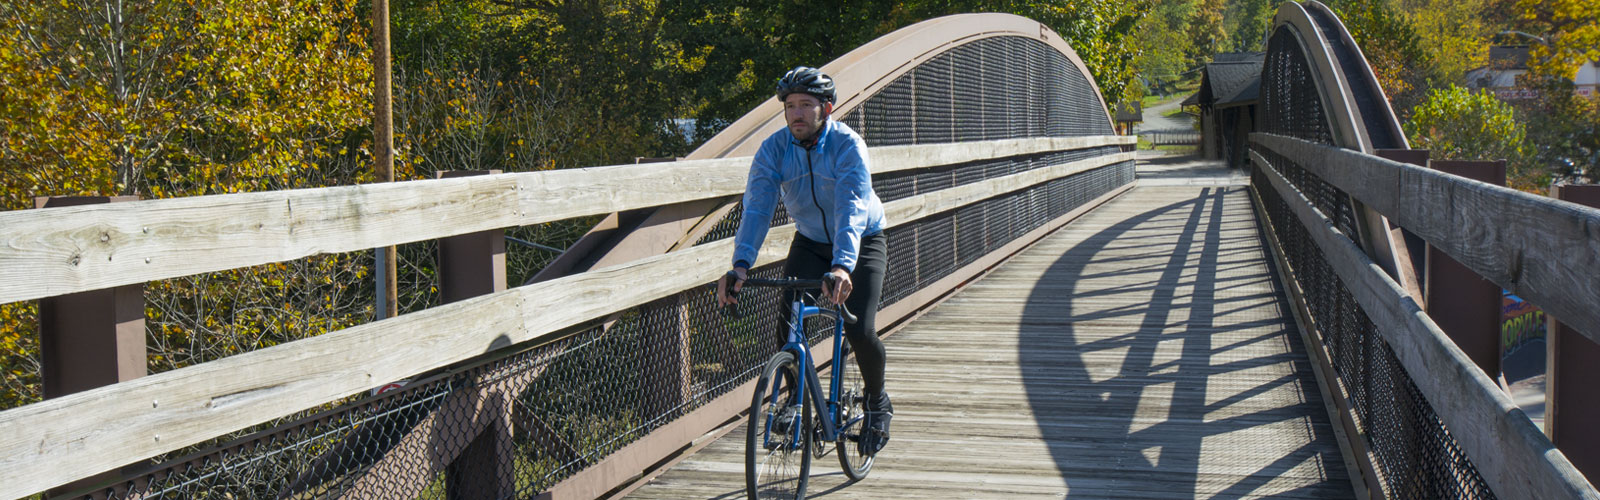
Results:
x,y
852,406
777,460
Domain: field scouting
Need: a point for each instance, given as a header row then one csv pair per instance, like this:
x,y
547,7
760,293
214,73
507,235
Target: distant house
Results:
x,y
1230,87
1507,62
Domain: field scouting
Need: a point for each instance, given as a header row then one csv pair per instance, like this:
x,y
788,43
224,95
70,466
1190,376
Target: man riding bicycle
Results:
x,y
818,167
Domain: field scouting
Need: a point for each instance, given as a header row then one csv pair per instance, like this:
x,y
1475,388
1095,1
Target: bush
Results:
x,y
1458,124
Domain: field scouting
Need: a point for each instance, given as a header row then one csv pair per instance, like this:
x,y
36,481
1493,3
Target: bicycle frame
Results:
x,y
810,388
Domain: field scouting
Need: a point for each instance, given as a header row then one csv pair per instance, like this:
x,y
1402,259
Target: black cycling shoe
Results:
x,y
875,425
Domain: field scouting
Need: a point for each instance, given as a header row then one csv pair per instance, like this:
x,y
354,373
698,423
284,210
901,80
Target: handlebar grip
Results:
x,y
844,312
732,311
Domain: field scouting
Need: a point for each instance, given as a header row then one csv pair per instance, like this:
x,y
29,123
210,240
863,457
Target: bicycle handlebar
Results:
x,y
789,284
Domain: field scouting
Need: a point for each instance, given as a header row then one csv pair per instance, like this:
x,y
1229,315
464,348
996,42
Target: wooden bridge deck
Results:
x,y
1143,351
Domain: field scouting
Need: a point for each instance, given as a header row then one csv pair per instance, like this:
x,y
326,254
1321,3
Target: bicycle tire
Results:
x,y
773,472
852,406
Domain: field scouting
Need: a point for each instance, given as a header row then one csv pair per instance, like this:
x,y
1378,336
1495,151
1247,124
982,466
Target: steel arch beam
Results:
x,y
1359,118
859,75
862,72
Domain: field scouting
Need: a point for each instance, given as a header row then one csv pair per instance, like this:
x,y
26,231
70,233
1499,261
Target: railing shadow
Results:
x,y
1160,445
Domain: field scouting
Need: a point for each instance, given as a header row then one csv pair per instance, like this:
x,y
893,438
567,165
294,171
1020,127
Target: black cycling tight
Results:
x,y
810,259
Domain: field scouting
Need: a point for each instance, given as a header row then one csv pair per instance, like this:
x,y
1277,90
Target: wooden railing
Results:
x,y
1542,249
51,252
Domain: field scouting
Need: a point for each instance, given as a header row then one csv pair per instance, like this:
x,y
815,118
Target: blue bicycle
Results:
x,y
784,433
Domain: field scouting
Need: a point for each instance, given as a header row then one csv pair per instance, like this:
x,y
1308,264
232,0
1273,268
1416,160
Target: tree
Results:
x,y
1392,48
1457,124
1571,35
171,98
1207,32
1453,36
1162,42
1248,24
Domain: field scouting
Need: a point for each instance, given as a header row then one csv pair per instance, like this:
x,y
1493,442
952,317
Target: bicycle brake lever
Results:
x,y
844,314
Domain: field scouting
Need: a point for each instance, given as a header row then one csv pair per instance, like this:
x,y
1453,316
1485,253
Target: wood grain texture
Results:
x,y
1511,454
50,443
1542,249
56,251
1140,352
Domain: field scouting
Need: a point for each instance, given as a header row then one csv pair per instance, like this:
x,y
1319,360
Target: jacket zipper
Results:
x,y
826,232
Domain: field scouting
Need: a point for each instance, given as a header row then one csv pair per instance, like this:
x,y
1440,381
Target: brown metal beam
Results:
x,y
1572,406
1462,303
95,338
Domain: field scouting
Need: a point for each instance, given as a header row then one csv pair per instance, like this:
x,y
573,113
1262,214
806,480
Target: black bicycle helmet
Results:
x,y
806,80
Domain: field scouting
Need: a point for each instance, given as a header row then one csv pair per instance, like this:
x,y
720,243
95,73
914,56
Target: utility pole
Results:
x,y
383,149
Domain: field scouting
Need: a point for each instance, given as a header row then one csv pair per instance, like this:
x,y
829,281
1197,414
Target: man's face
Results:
x,y
805,114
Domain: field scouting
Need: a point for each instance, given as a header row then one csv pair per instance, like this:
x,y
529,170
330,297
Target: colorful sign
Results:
x,y
1520,322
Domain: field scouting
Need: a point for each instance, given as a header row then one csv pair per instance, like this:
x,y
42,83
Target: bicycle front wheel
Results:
x,y
778,438
852,407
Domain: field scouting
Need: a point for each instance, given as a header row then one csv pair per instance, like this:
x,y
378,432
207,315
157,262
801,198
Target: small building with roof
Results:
x,y
1230,88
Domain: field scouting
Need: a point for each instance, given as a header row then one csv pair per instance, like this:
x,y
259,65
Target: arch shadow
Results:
x,y
1193,330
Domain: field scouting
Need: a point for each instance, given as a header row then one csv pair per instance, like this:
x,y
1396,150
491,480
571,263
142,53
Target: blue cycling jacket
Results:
x,y
826,188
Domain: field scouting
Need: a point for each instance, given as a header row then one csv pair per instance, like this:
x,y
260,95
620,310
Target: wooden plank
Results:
x,y
894,158
1542,249
889,317
56,251
1510,453
1356,453
1016,388
49,443
642,457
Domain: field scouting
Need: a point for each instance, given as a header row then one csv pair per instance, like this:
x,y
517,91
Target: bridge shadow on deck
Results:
x,y
1185,320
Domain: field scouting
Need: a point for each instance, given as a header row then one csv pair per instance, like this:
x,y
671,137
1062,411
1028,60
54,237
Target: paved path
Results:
x,y
1141,352
1153,121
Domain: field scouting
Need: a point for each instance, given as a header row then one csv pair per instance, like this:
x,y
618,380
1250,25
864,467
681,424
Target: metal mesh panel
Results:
x,y
534,416
1414,454
935,118
972,93
1289,93
995,73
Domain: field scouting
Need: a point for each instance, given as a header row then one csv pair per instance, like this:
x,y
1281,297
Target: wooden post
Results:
x,y
383,149
471,265
1572,403
95,338
90,339
1462,303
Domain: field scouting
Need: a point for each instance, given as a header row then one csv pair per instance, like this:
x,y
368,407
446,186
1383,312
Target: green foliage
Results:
x,y
1563,132
1207,33
1391,46
733,50
1457,124
1570,31
1248,22
1453,36
1162,44
558,84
